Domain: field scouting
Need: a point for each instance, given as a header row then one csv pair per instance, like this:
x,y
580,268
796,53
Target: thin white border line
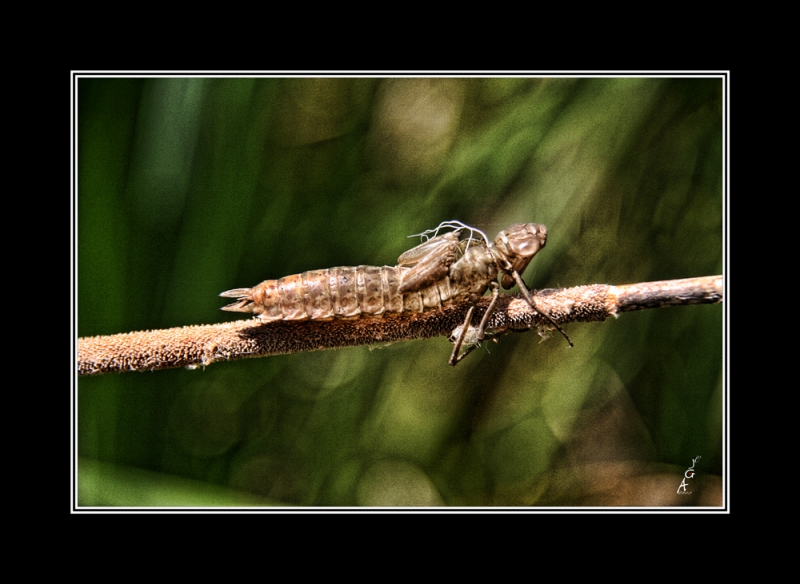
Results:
x,y
384,74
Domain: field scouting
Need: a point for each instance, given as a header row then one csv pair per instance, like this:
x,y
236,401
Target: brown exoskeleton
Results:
x,y
441,271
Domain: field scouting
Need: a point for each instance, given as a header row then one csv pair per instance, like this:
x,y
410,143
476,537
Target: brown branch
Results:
x,y
195,346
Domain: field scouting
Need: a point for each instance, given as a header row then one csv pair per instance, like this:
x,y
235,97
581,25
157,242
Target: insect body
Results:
x,y
440,271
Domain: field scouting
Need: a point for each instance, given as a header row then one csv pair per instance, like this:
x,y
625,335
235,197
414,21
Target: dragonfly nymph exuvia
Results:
x,y
442,270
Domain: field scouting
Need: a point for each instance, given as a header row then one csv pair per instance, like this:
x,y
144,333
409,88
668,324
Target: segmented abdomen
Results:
x,y
345,292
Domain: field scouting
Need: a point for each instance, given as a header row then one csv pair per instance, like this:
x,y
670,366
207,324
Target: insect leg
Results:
x,y
481,332
524,289
454,357
489,312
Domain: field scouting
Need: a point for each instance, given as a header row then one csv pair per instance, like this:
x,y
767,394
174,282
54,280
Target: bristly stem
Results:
x,y
201,345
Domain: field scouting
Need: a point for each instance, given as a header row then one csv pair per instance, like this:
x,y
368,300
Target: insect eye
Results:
x,y
526,246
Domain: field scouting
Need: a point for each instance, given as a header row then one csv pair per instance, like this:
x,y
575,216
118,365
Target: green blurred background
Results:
x,y
191,186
